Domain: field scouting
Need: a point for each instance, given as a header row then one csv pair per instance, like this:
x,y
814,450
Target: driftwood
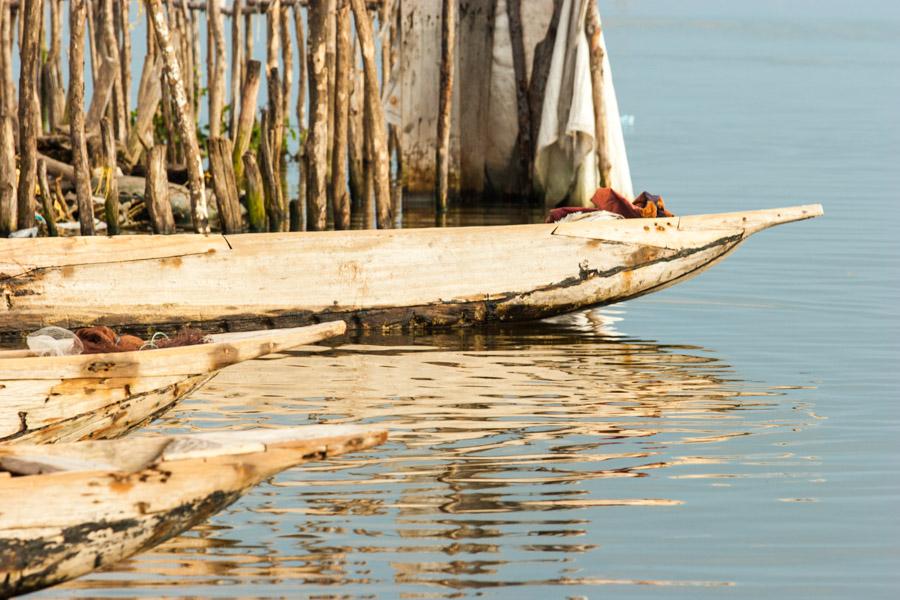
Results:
x,y
448,65
184,115
156,192
81,171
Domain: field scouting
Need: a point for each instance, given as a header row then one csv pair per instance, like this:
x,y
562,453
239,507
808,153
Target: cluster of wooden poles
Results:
x,y
349,155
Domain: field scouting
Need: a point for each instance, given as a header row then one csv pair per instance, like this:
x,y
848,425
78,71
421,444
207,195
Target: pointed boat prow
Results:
x,y
753,221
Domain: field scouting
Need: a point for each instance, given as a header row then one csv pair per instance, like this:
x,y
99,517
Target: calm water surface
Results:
x,y
736,436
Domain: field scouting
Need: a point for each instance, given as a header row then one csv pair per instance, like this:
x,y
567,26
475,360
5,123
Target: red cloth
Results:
x,y
612,201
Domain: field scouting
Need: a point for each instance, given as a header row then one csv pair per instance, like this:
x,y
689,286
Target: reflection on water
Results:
x,y
516,457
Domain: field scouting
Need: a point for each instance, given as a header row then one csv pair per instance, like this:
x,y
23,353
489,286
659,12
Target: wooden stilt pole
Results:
x,y
237,69
448,47
29,111
249,93
47,202
222,171
216,74
375,116
299,218
184,116
156,194
256,206
77,17
343,73
317,143
525,138
8,202
594,29
110,183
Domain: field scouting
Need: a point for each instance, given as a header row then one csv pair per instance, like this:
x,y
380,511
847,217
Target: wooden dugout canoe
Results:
x,y
67,509
90,396
393,278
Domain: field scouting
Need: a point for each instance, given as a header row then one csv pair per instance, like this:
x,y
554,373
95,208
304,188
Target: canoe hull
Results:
x,y
372,279
107,409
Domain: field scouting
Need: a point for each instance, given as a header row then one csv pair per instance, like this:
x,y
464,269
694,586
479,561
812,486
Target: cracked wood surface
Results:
x,y
104,501
405,278
68,398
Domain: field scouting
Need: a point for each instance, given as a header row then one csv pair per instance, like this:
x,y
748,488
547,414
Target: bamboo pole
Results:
x,y
317,142
216,75
111,200
448,47
184,116
29,111
343,72
77,17
594,30
375,116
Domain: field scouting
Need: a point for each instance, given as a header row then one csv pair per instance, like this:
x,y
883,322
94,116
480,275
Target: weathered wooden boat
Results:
x,y
90,396
405,278
67,509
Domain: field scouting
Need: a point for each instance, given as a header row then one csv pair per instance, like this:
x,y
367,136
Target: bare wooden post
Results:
x,y
298,219
343,67
448,47
111,204
273,34
47,199
271,187
356,135
237,71
76,117
216,75
8,201
124,20
108,72
594,30
375,115
184,116
149,95
8,207
276,141
29,110
525,138
249,92
9,86
54,97
222,171
256,207
317,143
156,193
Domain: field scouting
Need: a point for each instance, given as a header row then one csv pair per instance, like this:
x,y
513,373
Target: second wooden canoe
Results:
x,y
67,509
378,279
92,396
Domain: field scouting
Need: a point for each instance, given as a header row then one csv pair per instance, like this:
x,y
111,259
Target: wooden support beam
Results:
x,y
249,93
317,142
156,193
216,70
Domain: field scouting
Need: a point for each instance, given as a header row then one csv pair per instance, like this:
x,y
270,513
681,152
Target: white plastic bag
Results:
x,y
54,341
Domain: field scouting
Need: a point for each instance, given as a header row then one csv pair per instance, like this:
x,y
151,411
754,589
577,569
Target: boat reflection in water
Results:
x,y
562,454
